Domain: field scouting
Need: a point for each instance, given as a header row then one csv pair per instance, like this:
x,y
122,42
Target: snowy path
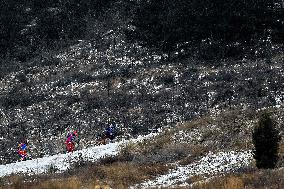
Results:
x,y
211,164
62,162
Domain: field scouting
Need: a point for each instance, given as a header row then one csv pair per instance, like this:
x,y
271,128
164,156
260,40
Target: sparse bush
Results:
x,y
266,142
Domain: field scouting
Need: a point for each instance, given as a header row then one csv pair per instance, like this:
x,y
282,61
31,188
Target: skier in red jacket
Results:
x,y
70,141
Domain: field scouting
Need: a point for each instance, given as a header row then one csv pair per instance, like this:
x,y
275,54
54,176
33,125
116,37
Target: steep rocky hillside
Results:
x,y
87,85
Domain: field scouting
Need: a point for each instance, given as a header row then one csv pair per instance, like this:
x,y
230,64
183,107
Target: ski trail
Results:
x,y
62,162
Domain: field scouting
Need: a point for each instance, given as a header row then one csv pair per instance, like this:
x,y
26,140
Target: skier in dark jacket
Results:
x,y
110,131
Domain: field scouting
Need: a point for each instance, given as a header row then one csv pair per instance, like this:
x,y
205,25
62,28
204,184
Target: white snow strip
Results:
x,y
211,164
62,162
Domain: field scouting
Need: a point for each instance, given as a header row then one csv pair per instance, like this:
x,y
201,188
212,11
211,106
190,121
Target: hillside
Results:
x,y
183,81
84,88
195,154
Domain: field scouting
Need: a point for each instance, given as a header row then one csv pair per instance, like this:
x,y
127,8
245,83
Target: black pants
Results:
x,y
110,136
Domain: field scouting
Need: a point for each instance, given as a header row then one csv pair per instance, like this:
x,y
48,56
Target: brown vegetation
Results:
x,y
117,175
263,179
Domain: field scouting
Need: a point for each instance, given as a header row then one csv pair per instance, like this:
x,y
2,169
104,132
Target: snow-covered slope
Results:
x,y
209,165
62,162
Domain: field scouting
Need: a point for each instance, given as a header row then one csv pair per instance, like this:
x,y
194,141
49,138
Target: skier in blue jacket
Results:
x,y
110,131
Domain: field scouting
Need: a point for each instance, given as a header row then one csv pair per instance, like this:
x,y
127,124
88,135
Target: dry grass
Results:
x,y
281,146
117,175
69,183
260,179
126,174
17,182
230,182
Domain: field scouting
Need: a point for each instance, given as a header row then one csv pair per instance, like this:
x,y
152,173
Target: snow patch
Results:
x,y
208,166
62,162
